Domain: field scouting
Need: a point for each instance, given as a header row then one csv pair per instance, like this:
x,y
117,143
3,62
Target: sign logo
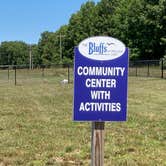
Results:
x,y
101,48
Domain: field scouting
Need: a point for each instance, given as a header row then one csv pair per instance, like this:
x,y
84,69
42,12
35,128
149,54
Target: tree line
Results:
x,y
140,24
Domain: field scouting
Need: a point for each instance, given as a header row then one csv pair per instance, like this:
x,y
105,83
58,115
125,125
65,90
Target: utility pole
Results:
x,y
60,45
30,57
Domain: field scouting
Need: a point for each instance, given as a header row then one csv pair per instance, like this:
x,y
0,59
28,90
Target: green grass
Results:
x,y
36,127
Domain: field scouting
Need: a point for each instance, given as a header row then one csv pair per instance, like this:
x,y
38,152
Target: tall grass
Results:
x,y
36,126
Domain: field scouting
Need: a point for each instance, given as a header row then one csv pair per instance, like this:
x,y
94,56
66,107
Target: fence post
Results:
x,y
68,71
162,68
42,70
15,75
136,69
148,73
8,72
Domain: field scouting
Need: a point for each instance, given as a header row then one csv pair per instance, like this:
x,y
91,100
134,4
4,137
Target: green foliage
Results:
x,y
140,24
14,52
47,47
37,59
67,60
80,26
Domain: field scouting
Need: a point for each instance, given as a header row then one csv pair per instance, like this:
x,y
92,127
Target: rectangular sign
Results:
x,y
100,86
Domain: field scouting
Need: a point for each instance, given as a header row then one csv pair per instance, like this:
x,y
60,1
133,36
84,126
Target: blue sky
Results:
x,y
25,20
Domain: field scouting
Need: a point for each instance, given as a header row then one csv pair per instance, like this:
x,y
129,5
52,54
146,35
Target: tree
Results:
x,y
47,47
81,25
36,58
14,52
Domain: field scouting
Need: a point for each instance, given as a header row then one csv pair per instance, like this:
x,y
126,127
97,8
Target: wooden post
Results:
x,y
136,72
148,73
97,144
15,75
162,68
8,72
43,70
68,73
30,57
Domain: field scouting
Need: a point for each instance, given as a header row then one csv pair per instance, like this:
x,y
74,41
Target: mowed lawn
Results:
x,y
36,126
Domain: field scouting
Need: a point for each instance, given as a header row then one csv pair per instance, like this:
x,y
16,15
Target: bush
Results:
x,y
67,61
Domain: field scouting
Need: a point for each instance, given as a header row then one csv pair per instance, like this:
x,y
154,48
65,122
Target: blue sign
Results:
x,y
100,80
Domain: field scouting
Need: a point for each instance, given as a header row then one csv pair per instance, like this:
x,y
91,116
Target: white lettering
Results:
x,y
100,71
95,83
79,70
104,107
87,83
82,107
118,107
100,95
87,106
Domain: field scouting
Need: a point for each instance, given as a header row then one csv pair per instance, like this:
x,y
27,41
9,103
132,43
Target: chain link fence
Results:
x,y
147,68
19,75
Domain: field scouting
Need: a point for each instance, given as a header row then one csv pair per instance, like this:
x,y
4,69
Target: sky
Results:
x,y
25,20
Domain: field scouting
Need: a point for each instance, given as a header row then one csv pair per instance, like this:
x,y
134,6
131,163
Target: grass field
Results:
x,y
36,127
